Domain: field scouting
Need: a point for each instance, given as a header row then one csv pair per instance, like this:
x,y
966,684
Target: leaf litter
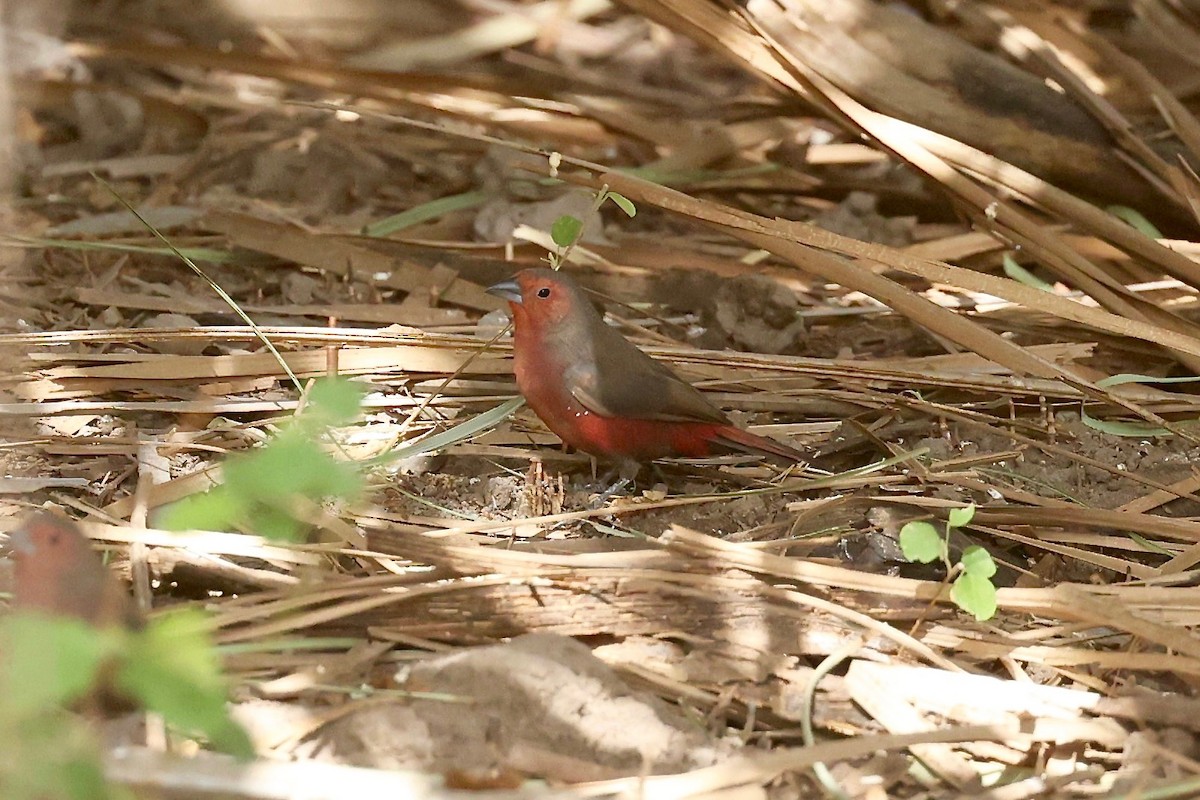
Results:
x,y
476,618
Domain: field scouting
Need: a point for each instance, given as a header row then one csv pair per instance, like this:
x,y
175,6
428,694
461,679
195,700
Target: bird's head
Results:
x,y
542,297
43,536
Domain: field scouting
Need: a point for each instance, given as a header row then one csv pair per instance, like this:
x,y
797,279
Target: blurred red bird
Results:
x,y
56,572
601,394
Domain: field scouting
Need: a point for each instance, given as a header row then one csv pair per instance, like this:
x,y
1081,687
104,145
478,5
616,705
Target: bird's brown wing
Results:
x,y
634,385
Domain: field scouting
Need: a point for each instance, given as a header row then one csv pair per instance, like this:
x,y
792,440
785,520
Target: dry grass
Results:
x,y
1092,662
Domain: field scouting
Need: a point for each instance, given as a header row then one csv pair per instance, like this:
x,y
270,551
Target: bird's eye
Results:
x,y
544,291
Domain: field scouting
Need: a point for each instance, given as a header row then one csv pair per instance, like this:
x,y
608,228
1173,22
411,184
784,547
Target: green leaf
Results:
x,y
176,643
978,562
1149,545
54,756
275,524
291,463
50,661
172,667
623,203
334,401
1116,427
460,432
1021,275
921,542
260,486
1130,377
1131,429
566,230
214,510
426,212
961,516
975,595
83,779
47,663
1136,220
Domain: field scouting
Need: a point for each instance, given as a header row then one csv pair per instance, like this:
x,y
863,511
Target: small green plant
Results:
x,y
171,666
566,230
972,589
53,664
261,487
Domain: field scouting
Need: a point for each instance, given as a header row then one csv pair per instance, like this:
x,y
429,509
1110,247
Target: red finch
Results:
x,y
603,395
56,571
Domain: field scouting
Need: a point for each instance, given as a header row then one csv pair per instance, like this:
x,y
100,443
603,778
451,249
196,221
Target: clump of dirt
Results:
x,y
541,704
857,217
757,314
753,313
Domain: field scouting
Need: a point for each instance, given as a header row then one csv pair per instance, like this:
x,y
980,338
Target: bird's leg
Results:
x,y
626,472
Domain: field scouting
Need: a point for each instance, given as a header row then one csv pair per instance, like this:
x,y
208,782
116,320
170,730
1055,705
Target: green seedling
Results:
x,y
972,589
567,230
51,664
261,487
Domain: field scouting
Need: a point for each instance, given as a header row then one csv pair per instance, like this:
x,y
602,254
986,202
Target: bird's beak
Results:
x,y
509,290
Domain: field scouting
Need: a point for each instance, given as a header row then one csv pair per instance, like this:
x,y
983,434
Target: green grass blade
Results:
x,y
426,212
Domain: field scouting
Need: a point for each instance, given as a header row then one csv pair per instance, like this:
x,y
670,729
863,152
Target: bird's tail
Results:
x,y
741,441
